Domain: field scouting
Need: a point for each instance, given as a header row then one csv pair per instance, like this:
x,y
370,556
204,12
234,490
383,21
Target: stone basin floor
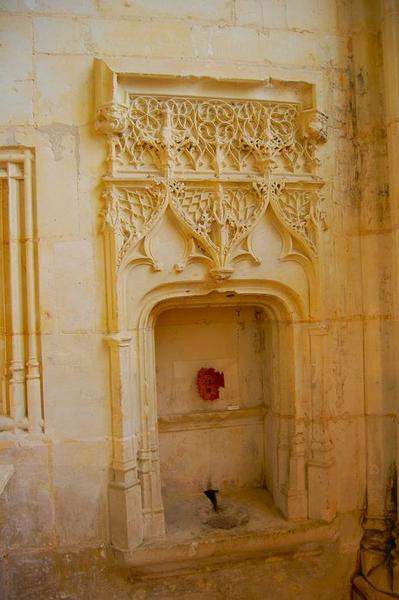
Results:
x,y
183,514
189,540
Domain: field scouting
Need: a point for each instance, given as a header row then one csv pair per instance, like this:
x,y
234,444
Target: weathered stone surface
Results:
x,y
80,478
215,196
32,524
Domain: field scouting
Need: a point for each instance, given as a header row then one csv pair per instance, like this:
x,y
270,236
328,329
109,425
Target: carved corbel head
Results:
x,y
314,125
111,118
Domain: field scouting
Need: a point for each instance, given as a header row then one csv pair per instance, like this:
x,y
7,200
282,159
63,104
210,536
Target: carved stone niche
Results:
x,y
211,209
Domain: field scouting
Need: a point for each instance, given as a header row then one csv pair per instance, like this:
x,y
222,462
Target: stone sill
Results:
x,y
188,543
164,557
211,419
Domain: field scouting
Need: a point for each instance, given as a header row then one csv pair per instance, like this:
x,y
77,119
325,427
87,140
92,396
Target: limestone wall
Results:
x,y
57,498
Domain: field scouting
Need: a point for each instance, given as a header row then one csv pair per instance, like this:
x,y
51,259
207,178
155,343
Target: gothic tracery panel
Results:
x,y
218,164
220,216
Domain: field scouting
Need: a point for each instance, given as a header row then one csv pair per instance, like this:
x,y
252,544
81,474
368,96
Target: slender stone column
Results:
x,y
14,307
321,466
33,385
125,505
295,497
21,384
149,463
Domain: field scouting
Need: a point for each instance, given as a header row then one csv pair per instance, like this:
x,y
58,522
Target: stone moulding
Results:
x,y
216,155
206,420
21,387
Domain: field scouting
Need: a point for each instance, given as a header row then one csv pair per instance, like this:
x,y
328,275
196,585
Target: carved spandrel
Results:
x,y
220,217
131,212
298,208
216,218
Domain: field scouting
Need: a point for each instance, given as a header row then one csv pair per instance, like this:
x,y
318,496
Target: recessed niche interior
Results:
x,y
217,443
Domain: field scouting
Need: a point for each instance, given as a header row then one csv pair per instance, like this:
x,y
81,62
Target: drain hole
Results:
x,y
227,516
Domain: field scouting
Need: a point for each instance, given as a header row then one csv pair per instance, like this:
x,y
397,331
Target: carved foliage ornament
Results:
x,y
213,163
170,135
218,216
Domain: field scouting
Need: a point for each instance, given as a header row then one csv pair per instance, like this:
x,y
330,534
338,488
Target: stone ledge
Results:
x,y
211,419
162,556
